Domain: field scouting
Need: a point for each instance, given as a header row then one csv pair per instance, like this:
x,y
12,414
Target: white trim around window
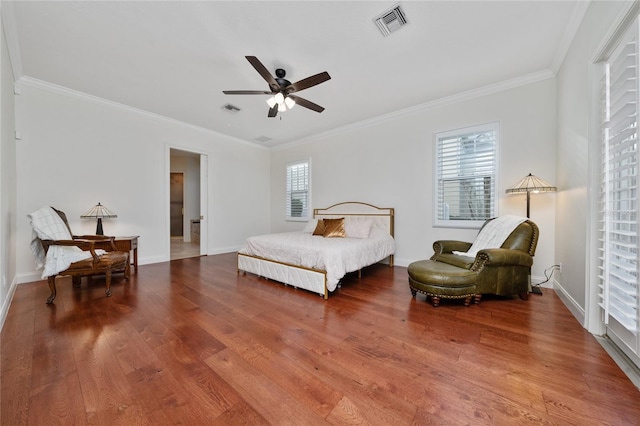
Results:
x,y
465,180
298,191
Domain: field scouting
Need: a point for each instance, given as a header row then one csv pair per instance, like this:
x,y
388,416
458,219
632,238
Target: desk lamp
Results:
x,y
98,212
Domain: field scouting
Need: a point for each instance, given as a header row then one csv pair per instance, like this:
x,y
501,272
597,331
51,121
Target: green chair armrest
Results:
x,y
448,246
502,257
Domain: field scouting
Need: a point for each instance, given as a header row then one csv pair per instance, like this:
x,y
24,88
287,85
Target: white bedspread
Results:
x,y
336,256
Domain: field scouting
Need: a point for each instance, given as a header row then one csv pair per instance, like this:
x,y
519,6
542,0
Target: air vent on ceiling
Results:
x,y
230,108
263,139
391,20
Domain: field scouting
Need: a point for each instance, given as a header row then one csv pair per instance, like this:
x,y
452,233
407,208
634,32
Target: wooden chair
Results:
x,y
105,264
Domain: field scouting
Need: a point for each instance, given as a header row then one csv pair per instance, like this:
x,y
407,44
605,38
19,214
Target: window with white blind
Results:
x,y
298,190
465,181
618,192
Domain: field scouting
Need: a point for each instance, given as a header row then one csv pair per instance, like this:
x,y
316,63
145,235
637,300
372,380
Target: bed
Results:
x,y
318,262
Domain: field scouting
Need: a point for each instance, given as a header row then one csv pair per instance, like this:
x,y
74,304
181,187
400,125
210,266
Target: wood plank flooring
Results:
x,y
193,342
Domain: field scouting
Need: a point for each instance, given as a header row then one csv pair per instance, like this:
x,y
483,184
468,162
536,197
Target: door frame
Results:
x,y
204,199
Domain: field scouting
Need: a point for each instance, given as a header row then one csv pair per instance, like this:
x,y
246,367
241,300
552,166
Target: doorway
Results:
x,y
186,200
176,200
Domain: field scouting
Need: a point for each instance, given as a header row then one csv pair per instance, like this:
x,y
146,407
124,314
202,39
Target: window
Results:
x,y
618,191
298,190
466,176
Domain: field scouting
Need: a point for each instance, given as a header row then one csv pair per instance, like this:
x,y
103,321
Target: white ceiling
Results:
x,y
175,58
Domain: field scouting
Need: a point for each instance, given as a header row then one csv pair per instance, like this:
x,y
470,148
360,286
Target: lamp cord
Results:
x,y
548,277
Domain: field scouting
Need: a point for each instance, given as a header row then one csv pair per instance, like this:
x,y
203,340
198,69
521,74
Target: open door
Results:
x,y
188,210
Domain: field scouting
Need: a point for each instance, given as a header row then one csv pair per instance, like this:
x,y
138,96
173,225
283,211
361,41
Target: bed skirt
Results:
x,y
314,280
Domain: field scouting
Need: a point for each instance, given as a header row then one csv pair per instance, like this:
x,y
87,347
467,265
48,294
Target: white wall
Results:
x,y
574,129
8,197
389,163
77,151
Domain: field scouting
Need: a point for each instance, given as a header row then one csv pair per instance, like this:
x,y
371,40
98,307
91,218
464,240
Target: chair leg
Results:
x,y
108,283
127,270
467,300
524,295
476,299
413,292
52,287
435,301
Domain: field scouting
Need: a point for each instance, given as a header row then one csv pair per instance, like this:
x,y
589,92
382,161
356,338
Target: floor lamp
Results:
x,y
529,184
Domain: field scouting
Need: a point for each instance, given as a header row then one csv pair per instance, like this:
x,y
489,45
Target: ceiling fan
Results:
x,y
282,89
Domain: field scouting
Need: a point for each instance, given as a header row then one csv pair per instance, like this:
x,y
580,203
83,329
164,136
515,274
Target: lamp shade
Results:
x,y
98,211
529,184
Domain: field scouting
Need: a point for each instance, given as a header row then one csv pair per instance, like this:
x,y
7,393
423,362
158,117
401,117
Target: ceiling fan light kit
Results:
x,y
281,89
289,102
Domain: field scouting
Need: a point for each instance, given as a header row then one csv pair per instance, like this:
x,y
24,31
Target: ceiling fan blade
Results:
x,y
264,72
245,92
305,83
273,111
305,103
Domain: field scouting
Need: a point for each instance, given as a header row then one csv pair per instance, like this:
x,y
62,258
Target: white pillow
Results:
x,y
311,226
357,227
378,232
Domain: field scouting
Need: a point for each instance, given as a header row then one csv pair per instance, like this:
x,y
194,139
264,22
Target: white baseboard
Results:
x,y
29,277
570,303
7,302
625,364
224,250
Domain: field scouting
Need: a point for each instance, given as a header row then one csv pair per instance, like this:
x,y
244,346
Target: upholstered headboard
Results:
x,y
382,217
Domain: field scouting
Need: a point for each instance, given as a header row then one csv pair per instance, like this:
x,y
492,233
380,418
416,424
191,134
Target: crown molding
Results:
x,y
579,10
65,91
447,100
621,23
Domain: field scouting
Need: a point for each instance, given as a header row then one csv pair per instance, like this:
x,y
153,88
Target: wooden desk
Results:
x,y
127,244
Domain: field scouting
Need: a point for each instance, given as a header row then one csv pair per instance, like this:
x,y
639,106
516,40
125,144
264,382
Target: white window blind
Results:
x,y
466,175
298,188
618,194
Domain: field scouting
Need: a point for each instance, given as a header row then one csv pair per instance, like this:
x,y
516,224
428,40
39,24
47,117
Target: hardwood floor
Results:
x,y
193,342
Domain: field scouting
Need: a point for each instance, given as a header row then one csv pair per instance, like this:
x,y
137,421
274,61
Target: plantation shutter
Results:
x,y
618,194
466,174
297,197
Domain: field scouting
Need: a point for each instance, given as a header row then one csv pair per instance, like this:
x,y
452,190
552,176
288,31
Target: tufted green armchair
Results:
x,y
502,271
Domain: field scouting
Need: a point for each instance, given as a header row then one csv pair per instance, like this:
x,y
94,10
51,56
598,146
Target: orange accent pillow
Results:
x,y
334,228
319,228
